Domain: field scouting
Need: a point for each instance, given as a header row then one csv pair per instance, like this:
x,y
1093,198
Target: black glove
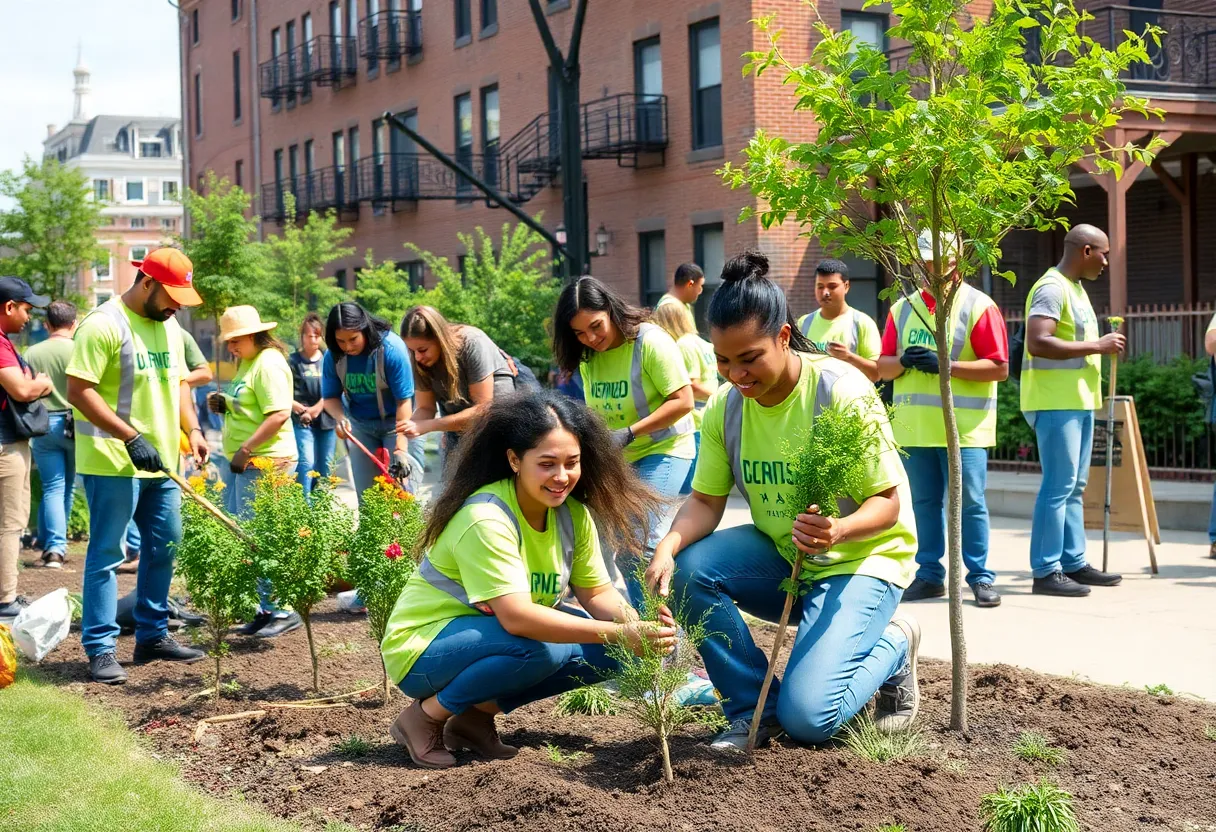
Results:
x,y
405,469
143,456
623,436
216,403
920,358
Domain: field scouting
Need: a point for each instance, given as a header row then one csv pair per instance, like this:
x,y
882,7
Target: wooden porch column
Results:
x,y
1116,231
1190,228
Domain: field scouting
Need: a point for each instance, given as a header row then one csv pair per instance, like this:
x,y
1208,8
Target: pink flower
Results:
x,y
393,551
396,516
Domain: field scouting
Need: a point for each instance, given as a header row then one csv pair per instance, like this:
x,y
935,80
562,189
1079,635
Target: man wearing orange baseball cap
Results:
x,y
127,385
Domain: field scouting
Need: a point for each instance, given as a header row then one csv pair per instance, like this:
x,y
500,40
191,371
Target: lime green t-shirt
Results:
x,y
890,555
260,387
699,361
193,355
668,297
157,390
481,551
608,391
51,357
840,330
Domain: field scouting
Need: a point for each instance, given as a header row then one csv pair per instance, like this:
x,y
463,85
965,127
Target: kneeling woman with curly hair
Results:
x,y
479,629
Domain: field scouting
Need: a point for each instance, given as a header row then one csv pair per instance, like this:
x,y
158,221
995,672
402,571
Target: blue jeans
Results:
x,y
928,478
315,450
157,507
474,660
1212,519
55,456
692,468
845,648
374,434
666,475
1057,532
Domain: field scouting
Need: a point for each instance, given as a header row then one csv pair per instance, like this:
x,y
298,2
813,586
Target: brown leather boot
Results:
x,y
474,731
422,737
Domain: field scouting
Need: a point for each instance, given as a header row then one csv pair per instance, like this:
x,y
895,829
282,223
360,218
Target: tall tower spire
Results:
x,y
81,90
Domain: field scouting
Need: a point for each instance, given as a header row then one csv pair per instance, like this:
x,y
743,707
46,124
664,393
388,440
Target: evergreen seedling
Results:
x,y
379,562
297,543
1033,747
219,572
648,679
863,738
590,700
829,463
1034,807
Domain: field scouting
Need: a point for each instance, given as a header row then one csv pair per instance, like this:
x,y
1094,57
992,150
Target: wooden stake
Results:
x,y
778,641
208,506
1110,458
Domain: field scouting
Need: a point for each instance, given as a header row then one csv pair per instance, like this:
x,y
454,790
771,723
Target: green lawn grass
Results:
x,y
70,768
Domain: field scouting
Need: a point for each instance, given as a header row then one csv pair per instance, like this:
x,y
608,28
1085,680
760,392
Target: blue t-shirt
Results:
x,y
360,392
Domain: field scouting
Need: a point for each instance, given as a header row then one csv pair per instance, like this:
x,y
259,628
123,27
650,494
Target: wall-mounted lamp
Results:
x,y
602,239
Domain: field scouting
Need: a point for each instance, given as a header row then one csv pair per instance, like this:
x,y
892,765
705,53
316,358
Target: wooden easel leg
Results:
x,y
1131,444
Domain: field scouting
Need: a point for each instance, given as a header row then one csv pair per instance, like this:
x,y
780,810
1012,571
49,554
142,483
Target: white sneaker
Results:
x,y
350,602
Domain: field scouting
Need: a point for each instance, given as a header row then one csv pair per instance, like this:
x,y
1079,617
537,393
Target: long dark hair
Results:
x,y
350,315
608,486
589,294
747,294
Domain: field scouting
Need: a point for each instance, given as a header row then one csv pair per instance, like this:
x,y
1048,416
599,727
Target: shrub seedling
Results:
x,y
830,462
1160,689
862,737
590,700
1033,748
379,563
296,543
220,574
1042,806
648,679
1209,731
561,758
353,746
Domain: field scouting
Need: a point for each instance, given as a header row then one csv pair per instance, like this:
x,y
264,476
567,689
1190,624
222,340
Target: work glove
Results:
x,y
143,456
623,436
216,403
920,358
405,469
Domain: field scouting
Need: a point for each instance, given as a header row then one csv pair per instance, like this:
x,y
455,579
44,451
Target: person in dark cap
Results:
x,y
17,384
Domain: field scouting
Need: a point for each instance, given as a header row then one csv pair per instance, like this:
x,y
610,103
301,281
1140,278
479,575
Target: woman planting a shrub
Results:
x,y
633,375
477,629
458,370
368,387
698,360
856,566
257,422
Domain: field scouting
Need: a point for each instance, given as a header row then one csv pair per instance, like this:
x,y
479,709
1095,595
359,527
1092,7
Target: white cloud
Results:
x,y
130,48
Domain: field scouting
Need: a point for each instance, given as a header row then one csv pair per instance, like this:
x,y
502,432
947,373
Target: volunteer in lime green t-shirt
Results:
x,y
633,375
837,328
687,284
125,381
479,628
257,423
848,647
698,361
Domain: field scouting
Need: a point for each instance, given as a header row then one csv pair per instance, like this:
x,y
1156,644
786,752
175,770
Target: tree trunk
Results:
x,y
312,652
954,526
218,657
668,775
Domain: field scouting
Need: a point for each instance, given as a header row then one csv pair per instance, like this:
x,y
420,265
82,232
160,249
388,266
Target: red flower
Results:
x,y
393,551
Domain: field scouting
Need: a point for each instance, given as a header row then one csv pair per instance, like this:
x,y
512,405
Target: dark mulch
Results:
x,y
1133,761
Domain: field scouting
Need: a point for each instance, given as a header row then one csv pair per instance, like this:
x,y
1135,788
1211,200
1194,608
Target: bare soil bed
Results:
x,y
1133,761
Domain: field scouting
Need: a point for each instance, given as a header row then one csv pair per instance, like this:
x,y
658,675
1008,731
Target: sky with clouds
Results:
x,y
130,48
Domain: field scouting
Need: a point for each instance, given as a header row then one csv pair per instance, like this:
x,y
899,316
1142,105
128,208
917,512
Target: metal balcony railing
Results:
x,y
329,61
321,190
624,125
276,79
391,35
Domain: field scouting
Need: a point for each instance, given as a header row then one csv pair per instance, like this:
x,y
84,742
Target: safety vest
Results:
x,y
685,425
917,395
854,335
732,430
1064,383
453,587
381,380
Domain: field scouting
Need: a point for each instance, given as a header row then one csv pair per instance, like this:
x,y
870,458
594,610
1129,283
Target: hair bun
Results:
x,y
750,263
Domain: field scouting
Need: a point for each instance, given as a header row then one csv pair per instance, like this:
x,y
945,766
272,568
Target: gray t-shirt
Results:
x,y
1048,301
479,358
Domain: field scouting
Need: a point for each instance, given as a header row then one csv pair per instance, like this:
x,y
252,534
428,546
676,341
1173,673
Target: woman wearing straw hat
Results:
x,y
257,422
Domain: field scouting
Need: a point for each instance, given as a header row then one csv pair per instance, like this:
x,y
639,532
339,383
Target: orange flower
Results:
x,y
305,532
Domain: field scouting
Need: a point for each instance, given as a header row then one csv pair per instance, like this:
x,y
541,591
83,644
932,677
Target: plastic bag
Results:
x,y
38,629
8,658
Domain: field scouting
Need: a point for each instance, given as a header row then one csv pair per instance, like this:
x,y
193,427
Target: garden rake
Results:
x,y
209,506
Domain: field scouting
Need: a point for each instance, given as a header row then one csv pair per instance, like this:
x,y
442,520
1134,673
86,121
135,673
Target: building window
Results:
x,y
415,270
648,84
101,190
866,27
464,20
372,34
338,140
706,54
489,14
194,27
240,172
150,150
708,252
198,104
236,85
139,252
652,266
464,138
236,10
101,269
135,190
293,164
352,146
168,189
306,53
278,170
168,225
490,133
138,222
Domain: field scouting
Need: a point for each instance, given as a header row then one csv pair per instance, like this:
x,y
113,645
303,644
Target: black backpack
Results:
x,y
1017,350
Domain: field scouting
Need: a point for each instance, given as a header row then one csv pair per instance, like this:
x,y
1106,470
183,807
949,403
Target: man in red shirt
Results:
x,y
17,383
979,352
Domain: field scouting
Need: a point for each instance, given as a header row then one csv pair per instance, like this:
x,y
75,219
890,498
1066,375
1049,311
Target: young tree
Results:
x,y
294,262
968,141
50,230
509,293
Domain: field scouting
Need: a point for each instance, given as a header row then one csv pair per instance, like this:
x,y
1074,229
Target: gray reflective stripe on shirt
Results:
x,y
856,334
381,380
126,373
961,324
565,533
935,400
642,406
1036,362
732,425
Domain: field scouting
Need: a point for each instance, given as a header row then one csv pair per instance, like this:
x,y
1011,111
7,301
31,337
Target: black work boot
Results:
x,y
104,668
1057,583
921,590
166,649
